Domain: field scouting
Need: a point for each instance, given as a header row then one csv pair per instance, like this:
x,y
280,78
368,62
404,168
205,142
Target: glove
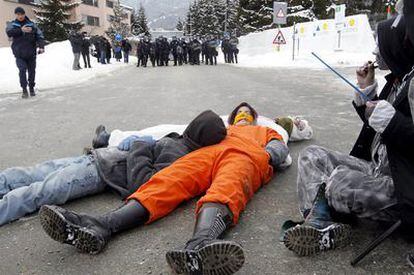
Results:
x,y
278,152
126,144
381,116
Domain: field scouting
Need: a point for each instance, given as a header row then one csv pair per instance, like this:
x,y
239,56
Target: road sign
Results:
x,y
340,19
280,13
279,39
118,37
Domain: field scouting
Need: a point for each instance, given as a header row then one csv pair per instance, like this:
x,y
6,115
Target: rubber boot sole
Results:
x,y
63,231
222,258
306,240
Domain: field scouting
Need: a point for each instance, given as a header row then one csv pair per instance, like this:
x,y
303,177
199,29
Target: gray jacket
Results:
x,y
125,172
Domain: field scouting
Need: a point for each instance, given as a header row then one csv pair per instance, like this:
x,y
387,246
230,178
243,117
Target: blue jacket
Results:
x,y
24,44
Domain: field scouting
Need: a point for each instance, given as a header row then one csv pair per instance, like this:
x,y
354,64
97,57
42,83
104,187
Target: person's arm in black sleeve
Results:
x,y
400,133
140,164
278,152
13,31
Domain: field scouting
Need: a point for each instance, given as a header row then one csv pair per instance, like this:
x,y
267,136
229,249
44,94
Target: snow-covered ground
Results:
x,y
54,68
321,37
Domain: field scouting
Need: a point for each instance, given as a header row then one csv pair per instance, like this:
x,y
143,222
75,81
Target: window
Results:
x,y
110,4
90,2
90,20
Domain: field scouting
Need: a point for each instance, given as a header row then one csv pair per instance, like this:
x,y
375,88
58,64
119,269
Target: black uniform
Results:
x,y
174,49
165,51
86,44
195,46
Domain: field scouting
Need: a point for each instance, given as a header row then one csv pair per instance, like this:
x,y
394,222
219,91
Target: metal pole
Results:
x,y
339,39
343,78
294,40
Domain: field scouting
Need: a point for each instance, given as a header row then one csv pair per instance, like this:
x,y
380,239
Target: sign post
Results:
x,y
279,18
340,22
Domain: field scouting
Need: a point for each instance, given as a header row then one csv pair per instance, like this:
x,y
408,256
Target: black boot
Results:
x,y
204,254
87,233
32,91
25,94
101,139
319,232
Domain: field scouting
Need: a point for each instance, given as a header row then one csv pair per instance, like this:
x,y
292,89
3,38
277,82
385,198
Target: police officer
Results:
x,y
27,37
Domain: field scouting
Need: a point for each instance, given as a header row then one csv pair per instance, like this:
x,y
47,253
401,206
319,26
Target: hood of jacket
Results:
x,y
205,130
395,48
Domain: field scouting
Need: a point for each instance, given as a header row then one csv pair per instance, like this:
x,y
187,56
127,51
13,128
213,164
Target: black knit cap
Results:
x,y
19,10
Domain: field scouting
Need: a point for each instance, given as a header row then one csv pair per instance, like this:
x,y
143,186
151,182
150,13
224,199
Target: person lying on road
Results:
x,y
227,175
122,169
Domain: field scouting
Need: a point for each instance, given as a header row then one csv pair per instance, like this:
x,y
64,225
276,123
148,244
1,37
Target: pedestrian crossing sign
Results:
x,y
279,39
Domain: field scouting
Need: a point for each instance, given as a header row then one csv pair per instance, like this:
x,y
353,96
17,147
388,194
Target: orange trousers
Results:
x,y
228,173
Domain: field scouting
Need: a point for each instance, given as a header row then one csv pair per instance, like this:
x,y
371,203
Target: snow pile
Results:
x,y
321,37
54,68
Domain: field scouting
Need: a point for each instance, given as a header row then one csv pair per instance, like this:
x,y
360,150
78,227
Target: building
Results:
x,y
95,14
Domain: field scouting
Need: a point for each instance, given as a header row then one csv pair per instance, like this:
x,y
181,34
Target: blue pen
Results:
x,y
343,78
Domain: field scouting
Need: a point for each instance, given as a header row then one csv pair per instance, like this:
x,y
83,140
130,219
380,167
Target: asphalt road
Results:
x,y
60,122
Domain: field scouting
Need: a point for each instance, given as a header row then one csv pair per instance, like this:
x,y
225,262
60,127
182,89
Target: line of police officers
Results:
x,y
185,51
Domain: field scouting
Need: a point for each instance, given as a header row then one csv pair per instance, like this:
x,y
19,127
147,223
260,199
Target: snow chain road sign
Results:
x,y
280,13
279,39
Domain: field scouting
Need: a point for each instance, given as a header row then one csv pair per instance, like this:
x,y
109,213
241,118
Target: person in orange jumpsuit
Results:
x,y
228,174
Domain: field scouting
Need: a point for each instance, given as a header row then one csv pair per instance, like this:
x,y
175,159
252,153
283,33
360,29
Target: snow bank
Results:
x,y
321,37
54,68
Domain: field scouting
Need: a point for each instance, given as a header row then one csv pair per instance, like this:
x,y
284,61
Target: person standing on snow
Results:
x,y
86,45
126,49
27,37
76,41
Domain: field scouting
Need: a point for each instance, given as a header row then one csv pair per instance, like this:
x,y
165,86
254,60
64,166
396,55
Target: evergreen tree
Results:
x,y
180,25
53,18
140,24
209,17
117,25
255,15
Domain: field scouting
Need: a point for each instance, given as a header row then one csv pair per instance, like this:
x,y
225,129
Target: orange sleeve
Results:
x,y
272,134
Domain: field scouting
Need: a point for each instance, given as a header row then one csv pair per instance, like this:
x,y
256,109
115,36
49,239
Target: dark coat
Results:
x,y
76,41
398,137
24,44
125,172
86,44
126,46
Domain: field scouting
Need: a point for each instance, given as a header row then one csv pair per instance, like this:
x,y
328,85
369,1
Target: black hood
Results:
x,y
205,130
396,50
409,15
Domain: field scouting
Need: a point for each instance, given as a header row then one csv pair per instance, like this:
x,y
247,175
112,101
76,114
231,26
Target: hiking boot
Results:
x,y
101,139
90,234
318,232
204,254
32,91
84,232
25,94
